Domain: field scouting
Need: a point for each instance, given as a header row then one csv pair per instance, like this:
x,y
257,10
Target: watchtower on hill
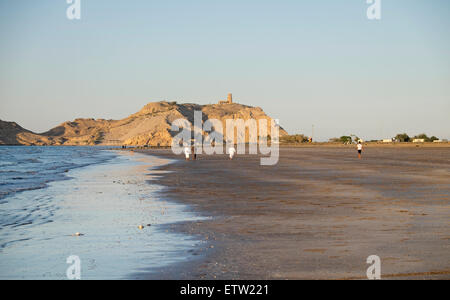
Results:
x,y
228,101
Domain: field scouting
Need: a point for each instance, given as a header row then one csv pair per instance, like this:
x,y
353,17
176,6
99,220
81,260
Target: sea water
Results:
x,y
48,194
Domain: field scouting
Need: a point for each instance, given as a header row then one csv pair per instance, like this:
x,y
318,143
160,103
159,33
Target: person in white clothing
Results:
x,y
360,148
187,152
232,152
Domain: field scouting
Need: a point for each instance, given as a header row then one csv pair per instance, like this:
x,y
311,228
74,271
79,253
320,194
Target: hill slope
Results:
x,y
150,126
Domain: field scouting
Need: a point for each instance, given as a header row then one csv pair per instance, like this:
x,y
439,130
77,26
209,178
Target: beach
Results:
x,y
318,214
105,196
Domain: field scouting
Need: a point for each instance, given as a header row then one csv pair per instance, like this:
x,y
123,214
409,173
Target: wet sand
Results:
x,y
105,202
318,214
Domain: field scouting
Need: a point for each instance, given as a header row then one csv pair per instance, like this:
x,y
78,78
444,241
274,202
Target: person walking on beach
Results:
x,y
187,152
194,155
232,152
360,148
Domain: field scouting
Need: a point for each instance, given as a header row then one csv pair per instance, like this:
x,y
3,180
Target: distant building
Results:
x,y
228,101
438,141
419,141
388,140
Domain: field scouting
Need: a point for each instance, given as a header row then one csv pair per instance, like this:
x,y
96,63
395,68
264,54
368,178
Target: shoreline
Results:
x,y
282,145
318,214
95,215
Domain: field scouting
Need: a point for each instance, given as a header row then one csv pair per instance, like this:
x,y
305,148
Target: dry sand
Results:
x,y
318,214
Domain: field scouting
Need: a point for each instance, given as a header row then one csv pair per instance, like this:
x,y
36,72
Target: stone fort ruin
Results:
x,y
228,101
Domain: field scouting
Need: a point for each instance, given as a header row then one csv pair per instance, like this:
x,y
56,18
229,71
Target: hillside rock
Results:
x,y
150,126
9,132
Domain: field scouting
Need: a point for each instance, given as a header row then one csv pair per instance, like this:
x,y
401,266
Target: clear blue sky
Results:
x,y
304,62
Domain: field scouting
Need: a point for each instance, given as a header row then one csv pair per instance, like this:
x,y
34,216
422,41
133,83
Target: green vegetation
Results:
x,y
426,138
346,139
433,138
403,138
294,139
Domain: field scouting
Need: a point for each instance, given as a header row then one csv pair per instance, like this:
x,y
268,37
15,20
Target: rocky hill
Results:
x,y
150,126
9,132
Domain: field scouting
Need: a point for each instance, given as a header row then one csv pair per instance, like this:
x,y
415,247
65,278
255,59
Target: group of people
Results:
x,y
191,150
188,151
232,152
